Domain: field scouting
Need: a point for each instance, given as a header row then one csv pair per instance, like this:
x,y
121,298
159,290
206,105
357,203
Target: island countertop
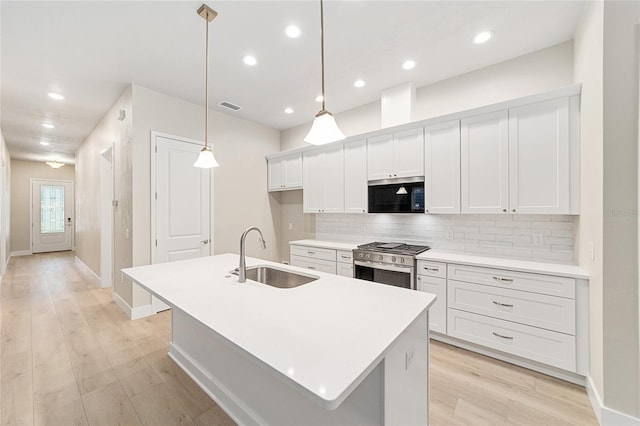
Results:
x,y
323,337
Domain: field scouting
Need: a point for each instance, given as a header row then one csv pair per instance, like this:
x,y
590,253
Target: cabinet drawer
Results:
x,y
537,310
314,264
438,311
313,252
535,283
433,269
345,256
345,269
547,347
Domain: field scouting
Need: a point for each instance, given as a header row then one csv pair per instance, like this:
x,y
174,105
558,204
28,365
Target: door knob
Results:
x,y
205,241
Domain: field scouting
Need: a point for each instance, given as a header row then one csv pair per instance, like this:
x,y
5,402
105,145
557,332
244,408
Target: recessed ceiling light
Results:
x,y
483,37
249,60
359,83
45,143
293,31
408,64
56,96
48,126
318,98
288,110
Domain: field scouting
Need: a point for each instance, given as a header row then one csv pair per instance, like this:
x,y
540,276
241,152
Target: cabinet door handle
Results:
x,y
205,241
505,305
503,280
345,257
431,269
311,267
311,252
502,337
504,210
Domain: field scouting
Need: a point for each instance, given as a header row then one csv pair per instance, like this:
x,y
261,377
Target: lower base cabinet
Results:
x,y
331,261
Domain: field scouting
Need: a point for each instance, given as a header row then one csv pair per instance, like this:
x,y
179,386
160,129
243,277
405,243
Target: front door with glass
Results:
x,y
51,215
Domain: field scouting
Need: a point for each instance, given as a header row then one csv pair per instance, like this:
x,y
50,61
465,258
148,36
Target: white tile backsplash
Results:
x,y
511,236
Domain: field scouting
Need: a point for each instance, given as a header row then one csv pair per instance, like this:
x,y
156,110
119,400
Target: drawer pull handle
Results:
x,y
426,268
502,337
311,267
503,280
345,257
505,305
313,252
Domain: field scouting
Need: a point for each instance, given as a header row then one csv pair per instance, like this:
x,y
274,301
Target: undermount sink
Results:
x,y
274,277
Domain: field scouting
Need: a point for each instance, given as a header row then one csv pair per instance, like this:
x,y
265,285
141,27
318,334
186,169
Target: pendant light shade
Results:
x,y
401,191
206,160
324,128
55,164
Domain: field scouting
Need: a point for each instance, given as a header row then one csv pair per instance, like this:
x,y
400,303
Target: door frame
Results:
x,y
73,210
112,182
153,150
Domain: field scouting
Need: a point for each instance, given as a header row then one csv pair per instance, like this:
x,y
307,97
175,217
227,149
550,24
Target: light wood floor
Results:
x,y
69,356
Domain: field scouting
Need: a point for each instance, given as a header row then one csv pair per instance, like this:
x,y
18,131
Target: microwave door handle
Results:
x,y
405,269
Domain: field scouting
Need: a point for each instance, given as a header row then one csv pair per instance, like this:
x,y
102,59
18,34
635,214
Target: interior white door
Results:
x,y
51,215
182,201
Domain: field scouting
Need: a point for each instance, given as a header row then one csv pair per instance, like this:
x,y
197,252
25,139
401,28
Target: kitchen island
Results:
x,y
333,351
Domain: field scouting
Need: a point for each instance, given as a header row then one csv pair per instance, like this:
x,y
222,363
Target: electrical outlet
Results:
x,y
450,234
290,226
408,357
126,234
538,239
591,252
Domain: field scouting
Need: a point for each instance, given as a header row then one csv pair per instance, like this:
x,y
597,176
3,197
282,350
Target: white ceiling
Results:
x,y
91,51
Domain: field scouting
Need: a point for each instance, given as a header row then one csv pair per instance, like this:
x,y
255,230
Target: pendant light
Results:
x,y
206,160
54,164
324,128
402,191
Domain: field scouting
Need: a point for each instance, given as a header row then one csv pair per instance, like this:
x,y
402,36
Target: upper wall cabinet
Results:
x,y
485,163
323,190
442,168
396,155
284,173
539,157
355,177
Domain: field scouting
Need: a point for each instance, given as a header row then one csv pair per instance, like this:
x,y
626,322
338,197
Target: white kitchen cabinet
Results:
x,y
432,278
284,173
323,189
539,158
344,265
485,163
329,260
442,168
355,177
396,155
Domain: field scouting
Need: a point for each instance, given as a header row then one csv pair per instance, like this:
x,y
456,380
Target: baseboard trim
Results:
x,y
132,313
20,253
607,416
89,270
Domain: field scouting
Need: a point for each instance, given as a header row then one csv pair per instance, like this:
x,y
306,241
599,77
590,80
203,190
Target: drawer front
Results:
x,y
345,256
537,310
314,264
345,269
535,283
432,269
438,311
314,253
547,347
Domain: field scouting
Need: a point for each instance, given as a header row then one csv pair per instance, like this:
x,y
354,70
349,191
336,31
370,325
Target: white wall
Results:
x,y
240,199
537,72
21,174
109,131
5,205
588,70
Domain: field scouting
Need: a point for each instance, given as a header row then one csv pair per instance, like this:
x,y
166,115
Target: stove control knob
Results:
x,y
379,257
393,259
402,260
360,255
368,256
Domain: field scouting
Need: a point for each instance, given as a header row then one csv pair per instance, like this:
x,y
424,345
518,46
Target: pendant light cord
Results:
x,y
206,85
322,50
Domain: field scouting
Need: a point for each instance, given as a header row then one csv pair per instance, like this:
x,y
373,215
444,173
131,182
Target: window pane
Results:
x,y
51,209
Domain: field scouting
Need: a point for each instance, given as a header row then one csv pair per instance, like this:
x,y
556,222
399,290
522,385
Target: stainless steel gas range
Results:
x,y
387,263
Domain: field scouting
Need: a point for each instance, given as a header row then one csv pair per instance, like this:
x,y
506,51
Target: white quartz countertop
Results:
x,y
571,271
326,244
323,337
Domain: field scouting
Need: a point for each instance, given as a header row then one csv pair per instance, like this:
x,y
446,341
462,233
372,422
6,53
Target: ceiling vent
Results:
x,y
230,106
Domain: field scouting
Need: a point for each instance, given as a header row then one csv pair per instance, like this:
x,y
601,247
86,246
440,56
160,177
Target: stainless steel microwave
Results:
x,y
396,196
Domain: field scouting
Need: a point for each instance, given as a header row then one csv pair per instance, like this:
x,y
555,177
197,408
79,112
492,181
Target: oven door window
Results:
x,y
398,279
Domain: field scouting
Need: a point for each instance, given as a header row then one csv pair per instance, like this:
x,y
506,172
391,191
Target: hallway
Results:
x,y
69,356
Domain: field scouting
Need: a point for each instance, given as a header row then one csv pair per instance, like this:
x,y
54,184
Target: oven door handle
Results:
x,y
386,267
